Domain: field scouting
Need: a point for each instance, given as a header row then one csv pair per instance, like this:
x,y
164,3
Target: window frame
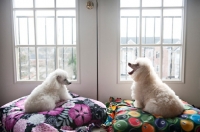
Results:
x,y
161,45
35,45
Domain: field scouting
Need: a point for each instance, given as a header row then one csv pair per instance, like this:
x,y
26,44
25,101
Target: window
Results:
x,y
45,38
153,29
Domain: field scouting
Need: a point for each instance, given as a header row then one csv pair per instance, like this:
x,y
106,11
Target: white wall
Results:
x,y
8,90
189,91
86,87
108,40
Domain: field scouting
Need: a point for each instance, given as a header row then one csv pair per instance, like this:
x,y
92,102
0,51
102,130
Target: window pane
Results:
x,y
151,3
129,27
45,27
173,3
47,61
26,63
23,3
66,24
151,26
153,53
65,3
172,26
44,3
171,62
127,54
129,3
24,28
67,61
40,32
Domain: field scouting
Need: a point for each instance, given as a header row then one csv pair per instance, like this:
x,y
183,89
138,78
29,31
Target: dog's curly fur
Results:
x,y
150,93
45,96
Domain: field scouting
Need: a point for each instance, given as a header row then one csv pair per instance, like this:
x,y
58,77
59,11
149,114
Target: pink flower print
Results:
x,y
4,119
53,112
12,102
98,103
80,98
12,119
68,105
43,127
14,109
81,114
66,128
58,104
43,112
8,104
76,95
20,104
20,126
56,111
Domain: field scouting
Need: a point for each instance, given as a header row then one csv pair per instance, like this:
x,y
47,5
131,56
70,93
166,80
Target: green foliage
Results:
x,y
72,62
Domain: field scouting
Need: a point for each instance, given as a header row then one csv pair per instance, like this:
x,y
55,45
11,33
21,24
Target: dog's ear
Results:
x,y
59,78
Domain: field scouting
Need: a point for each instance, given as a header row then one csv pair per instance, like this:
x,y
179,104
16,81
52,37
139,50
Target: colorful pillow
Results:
x,y
67,115
124,117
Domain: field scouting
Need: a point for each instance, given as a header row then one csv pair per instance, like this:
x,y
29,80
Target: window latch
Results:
x,y
90,5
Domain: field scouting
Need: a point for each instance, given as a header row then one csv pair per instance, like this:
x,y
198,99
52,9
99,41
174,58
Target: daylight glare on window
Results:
x,y
45,38
153,30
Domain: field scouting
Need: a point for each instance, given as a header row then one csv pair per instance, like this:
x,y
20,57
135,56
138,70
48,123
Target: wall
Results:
x,y
189,91
8,90
108,40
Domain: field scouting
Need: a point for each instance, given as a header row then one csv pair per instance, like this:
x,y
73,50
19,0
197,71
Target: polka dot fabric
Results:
x,y
124,117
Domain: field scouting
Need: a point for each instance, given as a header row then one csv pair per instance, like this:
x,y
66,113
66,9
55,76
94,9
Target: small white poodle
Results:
x,y
150,93
45,96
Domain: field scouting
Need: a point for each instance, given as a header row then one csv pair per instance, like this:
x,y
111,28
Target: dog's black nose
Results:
x,y
69,83
129,64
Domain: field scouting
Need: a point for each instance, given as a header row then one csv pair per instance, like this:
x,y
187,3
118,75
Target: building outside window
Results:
x,y
44,38
156,31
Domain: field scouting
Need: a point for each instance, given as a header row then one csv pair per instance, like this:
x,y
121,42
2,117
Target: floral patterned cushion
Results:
x,y
67,115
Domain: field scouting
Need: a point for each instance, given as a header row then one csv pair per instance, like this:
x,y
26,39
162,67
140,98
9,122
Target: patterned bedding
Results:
x,y
124,117
83,114
79,114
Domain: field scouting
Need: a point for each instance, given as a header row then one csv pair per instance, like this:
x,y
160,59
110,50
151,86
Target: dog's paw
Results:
x,y
70,97
138,104
135,103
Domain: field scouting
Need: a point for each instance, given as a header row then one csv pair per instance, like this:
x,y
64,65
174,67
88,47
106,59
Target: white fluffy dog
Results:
x,y
150,93
45,96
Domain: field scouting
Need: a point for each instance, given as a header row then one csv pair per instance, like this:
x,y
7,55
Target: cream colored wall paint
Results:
x,y
189,91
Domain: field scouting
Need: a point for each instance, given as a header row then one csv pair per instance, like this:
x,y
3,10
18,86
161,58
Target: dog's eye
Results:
x,y
65,79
